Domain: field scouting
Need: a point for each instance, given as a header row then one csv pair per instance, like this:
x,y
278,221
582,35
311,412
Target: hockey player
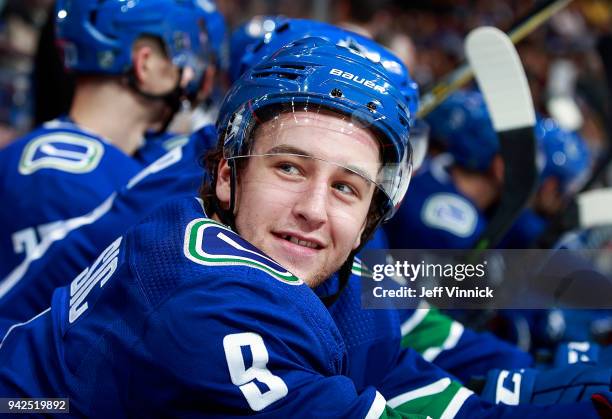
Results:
x,y
437,337
74,243
183,317
135,63
565,162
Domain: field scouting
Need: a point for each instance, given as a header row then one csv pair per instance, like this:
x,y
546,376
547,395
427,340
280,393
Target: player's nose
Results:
x,y
311,206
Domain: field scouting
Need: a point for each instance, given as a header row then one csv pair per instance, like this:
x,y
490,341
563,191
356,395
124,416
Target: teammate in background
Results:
x,y
452,193
73,244
135,63
183,316
565,161
450,198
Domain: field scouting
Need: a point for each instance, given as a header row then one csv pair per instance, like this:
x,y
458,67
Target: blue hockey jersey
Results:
x,y
434,214
56,172
76,242
156,145
182,318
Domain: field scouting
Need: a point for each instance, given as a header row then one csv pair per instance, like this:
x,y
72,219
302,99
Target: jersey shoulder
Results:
x,y
180,248
193,293
451,213
181,240
60,155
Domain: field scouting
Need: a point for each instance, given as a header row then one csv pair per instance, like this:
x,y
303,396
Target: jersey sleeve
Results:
x,y
455,348
415,386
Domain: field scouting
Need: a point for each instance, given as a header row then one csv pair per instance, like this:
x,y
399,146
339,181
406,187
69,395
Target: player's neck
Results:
x,y
107,108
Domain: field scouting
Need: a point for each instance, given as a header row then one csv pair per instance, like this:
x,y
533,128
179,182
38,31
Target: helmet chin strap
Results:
x,y
172,99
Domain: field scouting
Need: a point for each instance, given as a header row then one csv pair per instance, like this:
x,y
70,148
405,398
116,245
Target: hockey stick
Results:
x,y
462,75
501,78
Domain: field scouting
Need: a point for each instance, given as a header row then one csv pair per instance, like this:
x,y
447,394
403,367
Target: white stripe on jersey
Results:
x,y
377,408
454,334
413,321
428,390
456,403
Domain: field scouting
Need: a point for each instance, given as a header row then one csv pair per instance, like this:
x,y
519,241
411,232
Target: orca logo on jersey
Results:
x,y
451,213
357,79
63,151
210,243
98,273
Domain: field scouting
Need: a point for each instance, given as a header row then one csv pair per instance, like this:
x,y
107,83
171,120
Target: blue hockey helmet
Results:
x,y
96,36
245,37
216,31
284,31
311,74
565,155
462,125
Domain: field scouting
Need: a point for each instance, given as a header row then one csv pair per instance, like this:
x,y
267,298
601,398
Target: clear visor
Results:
x,y
419,138
313,142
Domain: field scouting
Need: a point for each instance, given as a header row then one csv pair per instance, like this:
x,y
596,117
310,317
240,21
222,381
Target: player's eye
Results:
x,y
288,168
346,189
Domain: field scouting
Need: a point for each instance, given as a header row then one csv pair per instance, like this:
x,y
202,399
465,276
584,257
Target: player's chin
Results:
x,y
310,271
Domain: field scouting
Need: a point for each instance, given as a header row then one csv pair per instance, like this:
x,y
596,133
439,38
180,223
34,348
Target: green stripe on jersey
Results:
x,y
430,332
442,399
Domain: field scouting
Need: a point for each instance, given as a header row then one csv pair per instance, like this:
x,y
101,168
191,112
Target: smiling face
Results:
x,y
302,197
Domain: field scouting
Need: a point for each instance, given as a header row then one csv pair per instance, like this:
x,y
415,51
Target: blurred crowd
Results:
x,y
559,57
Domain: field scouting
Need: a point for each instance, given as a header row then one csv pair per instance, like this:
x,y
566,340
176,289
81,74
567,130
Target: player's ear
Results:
x,y
497,169
208,85
223,186
141,61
